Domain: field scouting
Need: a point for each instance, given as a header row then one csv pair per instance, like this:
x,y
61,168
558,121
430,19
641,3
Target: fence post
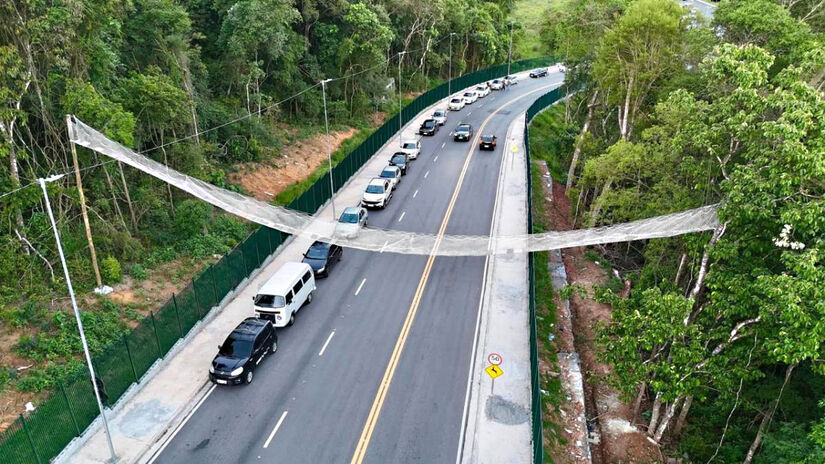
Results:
x,y
29,436
214,283
197,300
177,314
157,338
69,407
129,353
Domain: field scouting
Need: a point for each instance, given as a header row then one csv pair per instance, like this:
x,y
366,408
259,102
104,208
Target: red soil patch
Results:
x,y
620,441
266,180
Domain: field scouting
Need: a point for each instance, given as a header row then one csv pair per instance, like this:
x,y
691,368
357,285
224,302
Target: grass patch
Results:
x,y
552,140
552,394
530,14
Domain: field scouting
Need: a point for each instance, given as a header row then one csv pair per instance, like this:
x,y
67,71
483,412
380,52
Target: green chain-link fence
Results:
x,y
40,436
538,449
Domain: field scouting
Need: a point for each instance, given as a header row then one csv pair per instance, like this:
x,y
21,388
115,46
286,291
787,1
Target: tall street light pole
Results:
x,y
113,456
400,117
329,148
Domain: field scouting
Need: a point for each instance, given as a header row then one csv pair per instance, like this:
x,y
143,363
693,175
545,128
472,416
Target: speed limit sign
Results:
x,y
494,358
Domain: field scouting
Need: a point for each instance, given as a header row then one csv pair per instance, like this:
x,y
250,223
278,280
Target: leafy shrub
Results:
x,y
201,246
230,229
191,217
110,270
138,272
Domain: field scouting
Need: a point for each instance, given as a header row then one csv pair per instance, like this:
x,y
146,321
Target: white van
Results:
x,y
291,287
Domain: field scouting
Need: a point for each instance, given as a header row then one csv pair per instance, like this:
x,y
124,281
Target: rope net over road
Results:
x,y
393,241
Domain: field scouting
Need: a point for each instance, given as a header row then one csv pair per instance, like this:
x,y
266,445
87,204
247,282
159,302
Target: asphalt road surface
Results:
x,y
309,403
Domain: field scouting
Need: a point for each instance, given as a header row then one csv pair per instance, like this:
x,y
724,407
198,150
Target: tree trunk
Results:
x,y
128,197
766,419
681,267
671,410
114,198
577,151
597,204
626,113
637,403
654,417
682,419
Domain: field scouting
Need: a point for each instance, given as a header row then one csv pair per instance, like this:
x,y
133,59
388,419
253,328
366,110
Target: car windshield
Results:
x,y
438,114
236,347
270,301
375,189
455,100
486,138
387,174
468,94
411,145
318,252
399,159
349,218
463,129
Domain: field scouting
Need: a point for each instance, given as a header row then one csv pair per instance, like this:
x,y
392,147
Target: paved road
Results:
x,y
706,8
319,403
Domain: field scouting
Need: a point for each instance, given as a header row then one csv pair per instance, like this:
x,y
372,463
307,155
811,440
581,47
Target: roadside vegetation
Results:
x,y
718,346
151,72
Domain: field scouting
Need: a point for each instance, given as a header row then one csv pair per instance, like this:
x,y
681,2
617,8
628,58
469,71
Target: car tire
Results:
x,y
248,377
309,297
291,320
274,347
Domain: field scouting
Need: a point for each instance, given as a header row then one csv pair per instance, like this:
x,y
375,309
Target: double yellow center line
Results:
x,y
384,386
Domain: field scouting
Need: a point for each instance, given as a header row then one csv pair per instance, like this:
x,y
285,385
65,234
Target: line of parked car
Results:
x,y
293,286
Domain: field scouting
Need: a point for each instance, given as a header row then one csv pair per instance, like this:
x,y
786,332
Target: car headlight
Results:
x,y
237,371
211,369
322,269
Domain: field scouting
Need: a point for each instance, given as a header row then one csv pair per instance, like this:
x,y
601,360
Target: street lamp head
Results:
x,y
327,80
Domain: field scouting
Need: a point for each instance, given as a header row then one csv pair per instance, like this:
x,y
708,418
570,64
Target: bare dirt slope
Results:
x,y
619,441
267,179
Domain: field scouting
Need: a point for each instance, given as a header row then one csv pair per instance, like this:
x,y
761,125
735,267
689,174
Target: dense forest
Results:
x,y
231,82
719,345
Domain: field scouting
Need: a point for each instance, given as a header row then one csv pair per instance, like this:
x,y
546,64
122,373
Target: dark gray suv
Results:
x,y
243,350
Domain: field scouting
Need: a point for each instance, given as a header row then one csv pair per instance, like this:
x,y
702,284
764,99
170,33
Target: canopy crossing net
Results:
x,y
394,241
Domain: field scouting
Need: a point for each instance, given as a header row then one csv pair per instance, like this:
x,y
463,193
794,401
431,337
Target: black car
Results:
x,y
243,350
540,72
428,127
464,132
488,142
401,160
321,256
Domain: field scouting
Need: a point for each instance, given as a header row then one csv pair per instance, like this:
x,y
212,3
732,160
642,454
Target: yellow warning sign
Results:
x,y
494,371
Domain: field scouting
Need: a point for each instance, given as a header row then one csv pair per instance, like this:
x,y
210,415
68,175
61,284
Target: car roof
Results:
x,y
391,168
464,124
250,327
351,210
399,153
281,281
377,181
487,136
320,244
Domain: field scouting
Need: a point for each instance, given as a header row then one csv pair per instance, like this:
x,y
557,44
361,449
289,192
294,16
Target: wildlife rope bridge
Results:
x,y
302,224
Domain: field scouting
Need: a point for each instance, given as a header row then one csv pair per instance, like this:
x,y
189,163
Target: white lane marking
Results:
x,y
469,113
384,246
277,426
443,144
180,426
416,193
360,286
402,216
435,159
329,339
426,174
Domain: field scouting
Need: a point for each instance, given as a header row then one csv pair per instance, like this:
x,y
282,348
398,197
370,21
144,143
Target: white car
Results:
x,y
469,97
456,104
440,117
412,148
482,90
392,174
510,80
496,84
378,193
351,221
